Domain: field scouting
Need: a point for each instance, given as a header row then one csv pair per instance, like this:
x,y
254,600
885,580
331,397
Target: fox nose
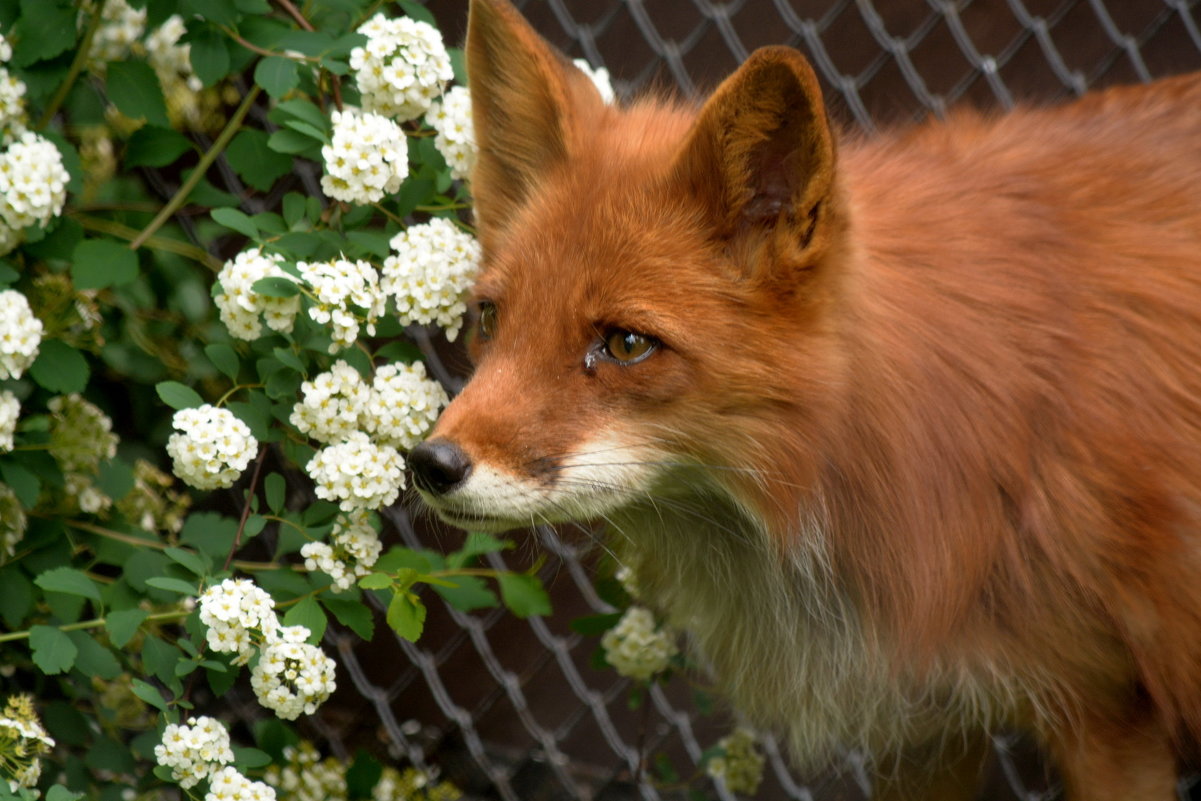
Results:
x,y
438,466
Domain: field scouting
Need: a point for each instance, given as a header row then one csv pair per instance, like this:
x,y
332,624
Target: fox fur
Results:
x,y
917,452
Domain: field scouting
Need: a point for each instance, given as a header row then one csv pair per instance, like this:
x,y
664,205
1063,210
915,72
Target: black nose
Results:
x,y
438,466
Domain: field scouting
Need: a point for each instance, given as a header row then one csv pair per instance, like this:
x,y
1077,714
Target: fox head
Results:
x,y
654,303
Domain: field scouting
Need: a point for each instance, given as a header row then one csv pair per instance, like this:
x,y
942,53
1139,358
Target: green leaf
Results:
x,y
69,581
352,614
60,367
116,478
277,75
225,359
311,43
477,544
101,263
301,109
523,594
275,489
252,157
210,56
59,792
372,242
307,613
160,658
467,593
406,616
417,12
398,558
222,12
44,30
246,758
16,596
94,659
172,585
595,625
124,624
236,221
53,651
276,286
376,581
193,562
152,146
177,395
150,694
293,143
308,130
134,89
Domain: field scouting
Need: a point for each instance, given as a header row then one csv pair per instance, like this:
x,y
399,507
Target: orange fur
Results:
x,y
920,451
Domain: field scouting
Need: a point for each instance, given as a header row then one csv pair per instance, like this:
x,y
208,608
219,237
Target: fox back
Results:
x,y
905,432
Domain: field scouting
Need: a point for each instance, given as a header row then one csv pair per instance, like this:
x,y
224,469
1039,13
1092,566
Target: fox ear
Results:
x,y
528,104
761,152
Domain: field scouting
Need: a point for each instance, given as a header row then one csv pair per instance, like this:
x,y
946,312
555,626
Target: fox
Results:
x,y
903,430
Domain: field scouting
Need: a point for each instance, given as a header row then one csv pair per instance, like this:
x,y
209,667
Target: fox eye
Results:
x,y
487,323
628,347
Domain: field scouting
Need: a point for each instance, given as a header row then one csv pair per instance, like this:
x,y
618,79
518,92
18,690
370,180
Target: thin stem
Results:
x,y
196,254
231,128
398,220
254,483
77,65
139,542
262,51
93,624
234,390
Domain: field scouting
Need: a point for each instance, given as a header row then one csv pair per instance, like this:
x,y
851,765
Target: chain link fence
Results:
x,y
515,710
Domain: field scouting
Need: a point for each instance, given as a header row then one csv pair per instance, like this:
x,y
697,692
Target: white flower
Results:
x,y
12,522
357,473
367,158
629,582
172,61
212,448
240,306
25,740
331,404
402,68
20,334
293,677
307,777
433,266
33,181
120,26
740,767
81,435
227,784
233,610
600,79
6,50
196,751
451,118
355,550
635,647
12,106
403,405
10,412
347,295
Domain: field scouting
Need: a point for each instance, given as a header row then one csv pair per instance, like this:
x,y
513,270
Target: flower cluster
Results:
x,y
23,742
241,307
20,334
12,97
429,273
171,60
194,752
211,448
33,182
233,611
12,522
120,26
600,79
292,676
331,404
740,765
308,777
366,159
412,785
227,784
81,437
347,294
402,68
636,647
451,118
358,473
154,503
403,405
628,580
10,411
356,547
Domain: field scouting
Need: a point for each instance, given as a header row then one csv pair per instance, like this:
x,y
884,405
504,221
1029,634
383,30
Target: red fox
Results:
x,y
904,431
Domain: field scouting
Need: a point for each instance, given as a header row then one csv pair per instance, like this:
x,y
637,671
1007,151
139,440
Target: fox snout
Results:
x,y
439,466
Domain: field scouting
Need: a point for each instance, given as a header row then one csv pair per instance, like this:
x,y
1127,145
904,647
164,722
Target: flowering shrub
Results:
x,y
220,221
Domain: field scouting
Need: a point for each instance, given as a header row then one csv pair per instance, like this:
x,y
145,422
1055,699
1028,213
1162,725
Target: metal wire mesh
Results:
x,y
513,709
